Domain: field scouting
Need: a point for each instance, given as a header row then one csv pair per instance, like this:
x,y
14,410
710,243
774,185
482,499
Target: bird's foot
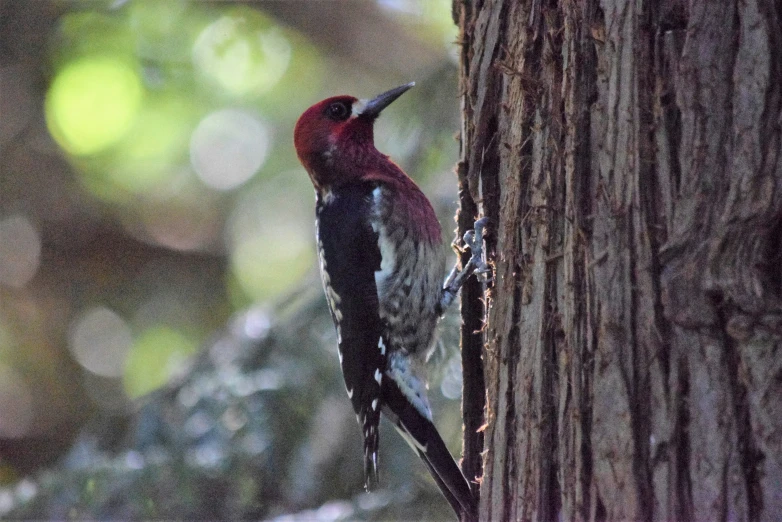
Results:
x,y
473,239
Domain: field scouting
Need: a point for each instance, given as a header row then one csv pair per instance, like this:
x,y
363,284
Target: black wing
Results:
x,y
349,252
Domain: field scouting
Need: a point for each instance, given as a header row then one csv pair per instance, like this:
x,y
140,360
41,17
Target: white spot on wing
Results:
x,y
382,346
333,297
374,404
378,376
350,393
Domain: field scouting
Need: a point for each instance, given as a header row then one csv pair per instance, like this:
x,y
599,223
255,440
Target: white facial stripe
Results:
x,y
358,108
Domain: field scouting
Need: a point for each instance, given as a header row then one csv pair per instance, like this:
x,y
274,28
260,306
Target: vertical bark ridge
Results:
x,y
481,25
471,303
635,324
576,371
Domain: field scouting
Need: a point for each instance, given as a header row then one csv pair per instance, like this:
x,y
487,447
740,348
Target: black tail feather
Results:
x,y
447,475
370,427
422,435
458,506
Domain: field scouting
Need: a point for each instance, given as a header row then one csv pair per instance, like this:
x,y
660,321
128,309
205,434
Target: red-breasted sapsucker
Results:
x,y
383,268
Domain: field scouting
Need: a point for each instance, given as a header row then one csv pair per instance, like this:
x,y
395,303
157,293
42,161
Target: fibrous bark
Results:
x,y
629,156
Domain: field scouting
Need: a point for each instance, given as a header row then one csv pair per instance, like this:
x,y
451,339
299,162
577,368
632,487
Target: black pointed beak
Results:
x,y
381,101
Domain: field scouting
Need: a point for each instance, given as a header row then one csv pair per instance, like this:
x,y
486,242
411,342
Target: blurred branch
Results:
x,y
360,32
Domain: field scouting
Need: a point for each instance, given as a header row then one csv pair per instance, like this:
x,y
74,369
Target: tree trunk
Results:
x,y
628,155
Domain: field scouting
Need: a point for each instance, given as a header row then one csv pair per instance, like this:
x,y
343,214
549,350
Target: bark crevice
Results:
x,y
637,305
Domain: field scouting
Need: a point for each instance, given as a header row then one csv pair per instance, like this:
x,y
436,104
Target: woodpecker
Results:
x,y
383,267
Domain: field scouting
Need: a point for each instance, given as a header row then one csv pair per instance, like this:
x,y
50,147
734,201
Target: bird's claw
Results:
x,y
474,241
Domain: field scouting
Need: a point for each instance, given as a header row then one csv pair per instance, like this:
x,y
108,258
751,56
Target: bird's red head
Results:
x,y
334,137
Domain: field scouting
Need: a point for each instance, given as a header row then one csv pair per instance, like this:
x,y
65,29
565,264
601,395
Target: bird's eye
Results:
x,y
338,111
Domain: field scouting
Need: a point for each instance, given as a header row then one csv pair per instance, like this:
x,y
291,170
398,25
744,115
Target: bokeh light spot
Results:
x,y
151,151
20,251
228,147
156,355
16,404
92,103
176,224
100,341
266,265
242,53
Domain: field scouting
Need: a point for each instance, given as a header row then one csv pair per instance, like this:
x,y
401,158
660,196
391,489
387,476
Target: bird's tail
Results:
x,y
420,433
370,424
449,478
